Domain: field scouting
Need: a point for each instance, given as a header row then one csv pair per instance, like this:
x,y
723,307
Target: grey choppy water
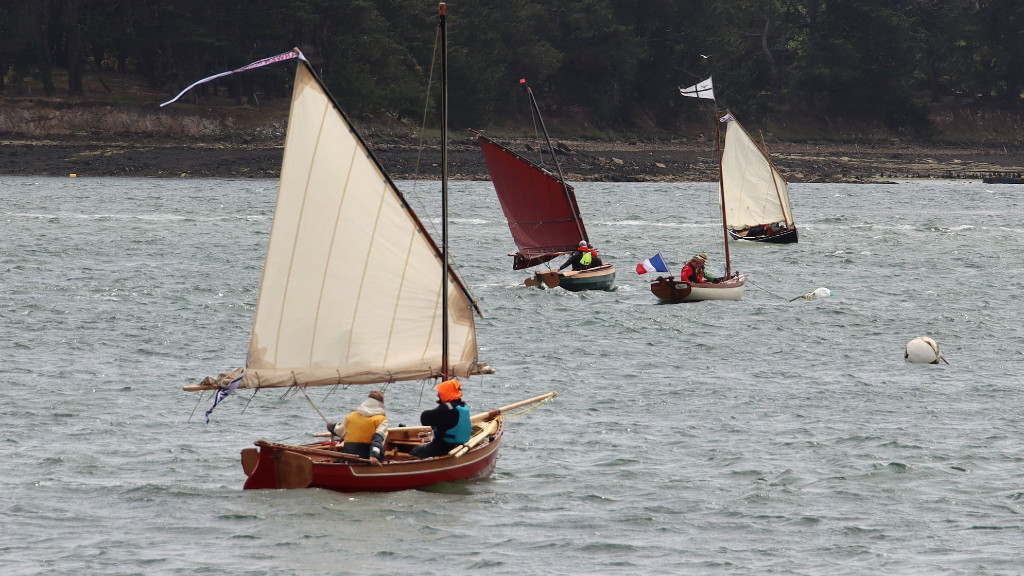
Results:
x,y
761,436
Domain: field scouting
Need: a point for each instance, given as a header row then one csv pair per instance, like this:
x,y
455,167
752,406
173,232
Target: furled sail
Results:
x,y
754,191
351,288
541,210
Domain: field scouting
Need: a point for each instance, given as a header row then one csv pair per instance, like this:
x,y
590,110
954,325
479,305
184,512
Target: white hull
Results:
x,y
731,290
676,291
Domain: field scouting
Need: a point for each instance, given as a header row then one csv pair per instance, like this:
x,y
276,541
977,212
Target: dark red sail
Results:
x,y
541,209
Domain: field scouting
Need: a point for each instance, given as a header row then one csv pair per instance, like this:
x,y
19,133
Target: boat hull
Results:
x,y
676,291
597,278
788,236
280,466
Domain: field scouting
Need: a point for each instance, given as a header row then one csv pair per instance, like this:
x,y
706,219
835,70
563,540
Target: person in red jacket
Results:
x,y
583,257
694,272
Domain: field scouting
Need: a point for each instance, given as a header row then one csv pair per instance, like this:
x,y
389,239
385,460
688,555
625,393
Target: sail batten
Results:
x,y
352,285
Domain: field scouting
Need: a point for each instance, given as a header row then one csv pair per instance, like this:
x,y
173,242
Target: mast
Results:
x,y
442,29
721,191
551,150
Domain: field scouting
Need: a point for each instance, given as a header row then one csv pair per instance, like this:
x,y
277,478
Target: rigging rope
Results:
x,y
426,105
303,389
767,291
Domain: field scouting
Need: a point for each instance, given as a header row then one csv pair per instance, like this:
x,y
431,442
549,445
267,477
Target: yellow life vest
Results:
x,y
587,258
359,428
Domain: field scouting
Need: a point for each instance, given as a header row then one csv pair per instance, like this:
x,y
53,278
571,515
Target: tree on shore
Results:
x,y
613,64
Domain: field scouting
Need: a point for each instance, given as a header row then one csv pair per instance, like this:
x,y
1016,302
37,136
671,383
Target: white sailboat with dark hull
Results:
x,y
754,193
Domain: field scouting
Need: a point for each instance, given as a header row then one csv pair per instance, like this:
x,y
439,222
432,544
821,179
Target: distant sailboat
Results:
x,y
754,193
355,291
542,214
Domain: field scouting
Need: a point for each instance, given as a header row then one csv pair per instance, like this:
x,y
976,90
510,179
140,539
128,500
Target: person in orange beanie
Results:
x,y
449,420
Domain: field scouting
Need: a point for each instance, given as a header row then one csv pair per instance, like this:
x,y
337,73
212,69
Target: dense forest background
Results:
x,y
611,65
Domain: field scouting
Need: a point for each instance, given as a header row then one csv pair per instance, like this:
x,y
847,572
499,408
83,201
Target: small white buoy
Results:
x,y
816,294
819,293
923,350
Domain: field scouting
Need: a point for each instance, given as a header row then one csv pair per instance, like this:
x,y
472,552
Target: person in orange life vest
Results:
x,y
450,421
583,257
694,272
363,430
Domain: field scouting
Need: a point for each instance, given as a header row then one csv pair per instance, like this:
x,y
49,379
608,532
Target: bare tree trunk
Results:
x,y
768,54
74,47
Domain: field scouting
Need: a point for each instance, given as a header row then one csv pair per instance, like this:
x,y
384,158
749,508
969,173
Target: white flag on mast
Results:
x,y
700,90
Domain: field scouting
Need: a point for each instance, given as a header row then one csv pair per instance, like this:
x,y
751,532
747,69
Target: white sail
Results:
x,y
351,289
755,192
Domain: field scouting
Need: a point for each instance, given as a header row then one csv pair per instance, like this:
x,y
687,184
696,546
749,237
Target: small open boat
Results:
x,y
675,291
322,465
669,289
355,291
542,213
597,278
754,193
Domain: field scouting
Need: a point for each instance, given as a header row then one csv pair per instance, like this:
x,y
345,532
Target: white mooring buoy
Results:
x,y
923,350
819,293
816,294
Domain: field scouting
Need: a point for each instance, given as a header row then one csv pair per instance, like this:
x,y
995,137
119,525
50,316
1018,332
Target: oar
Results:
x,y
493,413
489,428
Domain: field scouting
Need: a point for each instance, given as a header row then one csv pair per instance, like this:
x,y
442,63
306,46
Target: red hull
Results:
x,y
281,466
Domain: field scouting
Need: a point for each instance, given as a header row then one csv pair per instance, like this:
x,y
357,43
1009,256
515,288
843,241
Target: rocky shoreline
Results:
x,y
639,161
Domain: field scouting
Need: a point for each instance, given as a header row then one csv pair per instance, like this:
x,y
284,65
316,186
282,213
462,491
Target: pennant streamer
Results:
x,y
258,64
222,394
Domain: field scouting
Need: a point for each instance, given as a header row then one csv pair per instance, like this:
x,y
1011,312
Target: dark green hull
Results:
x,y
599,278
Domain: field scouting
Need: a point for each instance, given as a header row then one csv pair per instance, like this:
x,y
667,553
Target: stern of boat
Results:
x,y
268,468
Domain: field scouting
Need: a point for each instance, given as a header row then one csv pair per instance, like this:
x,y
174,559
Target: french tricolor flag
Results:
x,y
652,264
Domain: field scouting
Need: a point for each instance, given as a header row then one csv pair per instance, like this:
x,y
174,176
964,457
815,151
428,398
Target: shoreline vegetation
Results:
x,y
580,160
56,137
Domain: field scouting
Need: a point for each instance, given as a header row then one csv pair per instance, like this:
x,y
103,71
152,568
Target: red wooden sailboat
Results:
x,y
322,466
542,213
355,291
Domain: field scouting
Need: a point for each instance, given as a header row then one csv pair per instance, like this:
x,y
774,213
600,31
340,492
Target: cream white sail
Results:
x,y
754,191
351,288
